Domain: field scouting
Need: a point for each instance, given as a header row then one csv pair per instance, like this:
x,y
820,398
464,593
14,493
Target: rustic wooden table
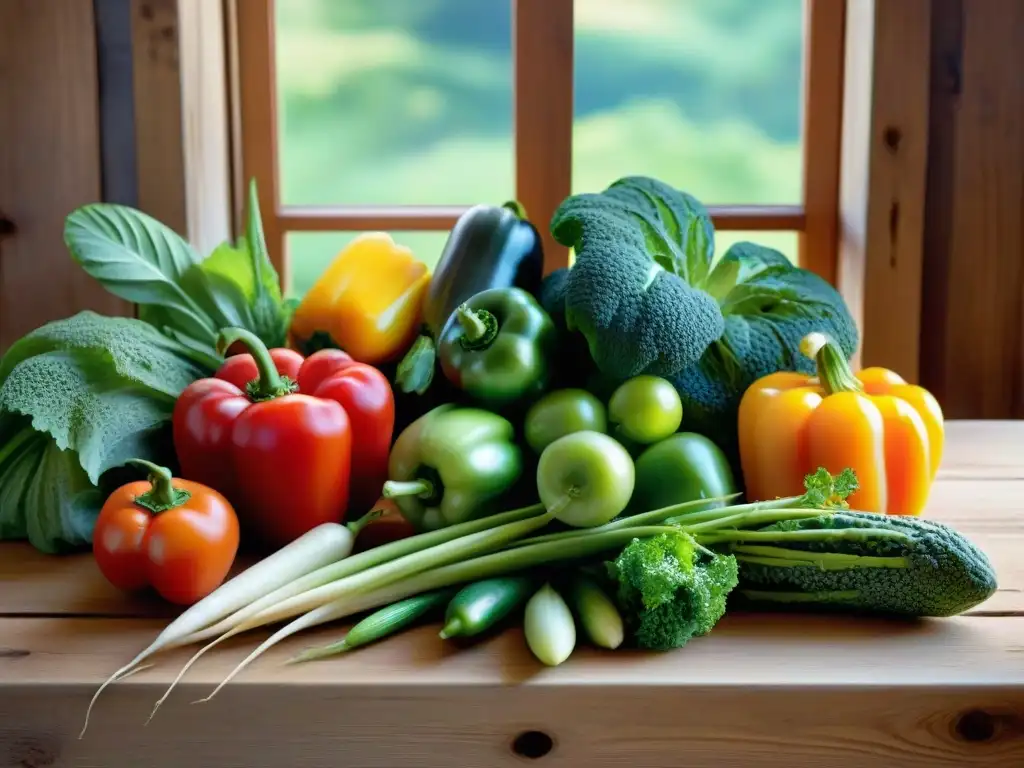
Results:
x,y
768,690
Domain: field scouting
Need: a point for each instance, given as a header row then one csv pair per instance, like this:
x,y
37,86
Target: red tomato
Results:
x,y
184,548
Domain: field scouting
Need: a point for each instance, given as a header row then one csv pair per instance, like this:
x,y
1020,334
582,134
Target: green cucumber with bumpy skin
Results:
x,y
479,606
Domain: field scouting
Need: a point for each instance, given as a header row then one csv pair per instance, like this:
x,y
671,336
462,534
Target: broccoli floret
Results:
x,y
670,589
876,563
628,291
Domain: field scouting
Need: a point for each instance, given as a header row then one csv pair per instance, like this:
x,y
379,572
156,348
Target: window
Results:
x,y
398,114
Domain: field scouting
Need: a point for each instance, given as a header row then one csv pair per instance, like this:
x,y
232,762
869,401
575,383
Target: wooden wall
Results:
x,y
50,160
972,314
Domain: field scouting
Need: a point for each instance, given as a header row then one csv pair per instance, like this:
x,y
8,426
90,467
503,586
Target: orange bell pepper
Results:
x,y
889,432
367,302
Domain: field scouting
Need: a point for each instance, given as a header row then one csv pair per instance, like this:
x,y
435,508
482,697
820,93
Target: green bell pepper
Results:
x,y
498,347
450,465
684,467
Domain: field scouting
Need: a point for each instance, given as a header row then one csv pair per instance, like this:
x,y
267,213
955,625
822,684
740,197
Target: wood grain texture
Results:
x,y
883,175
543,43
767,689
257,128
975,310
205,132
825,31
49,161
180,71
938,693
156,73
298,218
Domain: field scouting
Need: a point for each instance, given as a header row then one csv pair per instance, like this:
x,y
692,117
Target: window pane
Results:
x,y
309,253
393,102
787,243
702,94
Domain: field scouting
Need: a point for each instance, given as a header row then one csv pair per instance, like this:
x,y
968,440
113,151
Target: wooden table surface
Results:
x,y
772,690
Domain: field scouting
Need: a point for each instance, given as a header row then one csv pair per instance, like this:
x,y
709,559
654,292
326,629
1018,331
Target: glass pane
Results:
x,y
309,253
787,243
393,102
701,94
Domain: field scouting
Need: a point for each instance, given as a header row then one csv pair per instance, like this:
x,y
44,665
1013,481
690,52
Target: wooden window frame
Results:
x,y
543,40
865,137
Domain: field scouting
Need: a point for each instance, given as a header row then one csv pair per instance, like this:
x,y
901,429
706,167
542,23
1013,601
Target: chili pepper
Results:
x,y
283,457
450,465
889,432
498,347
176,536
489,247
367,302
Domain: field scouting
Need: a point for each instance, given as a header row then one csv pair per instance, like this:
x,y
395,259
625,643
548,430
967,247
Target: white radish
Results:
x,y
549,627
291,599
335,600
316,548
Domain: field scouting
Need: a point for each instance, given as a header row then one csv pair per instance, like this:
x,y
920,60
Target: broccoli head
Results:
x,y
670,589
875,563
647,296
642,249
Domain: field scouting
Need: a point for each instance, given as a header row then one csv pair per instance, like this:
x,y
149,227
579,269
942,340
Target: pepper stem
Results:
x,y
394,489
416,370
450,629
834,371
270,383
479,327
516,207
163,495
356,526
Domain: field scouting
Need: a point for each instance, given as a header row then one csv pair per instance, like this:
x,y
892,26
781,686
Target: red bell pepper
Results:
x,y
280,446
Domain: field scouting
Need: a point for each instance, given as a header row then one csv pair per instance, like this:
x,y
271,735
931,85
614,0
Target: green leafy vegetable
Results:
x,y
187,297
140,260
642,252
646,295
77,398
45,495
670,589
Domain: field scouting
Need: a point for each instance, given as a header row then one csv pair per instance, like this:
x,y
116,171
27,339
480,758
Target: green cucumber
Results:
x,y
479,606
381,623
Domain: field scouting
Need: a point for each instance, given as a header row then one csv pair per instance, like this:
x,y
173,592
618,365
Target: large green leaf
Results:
x,y
243,275
101,387
140,260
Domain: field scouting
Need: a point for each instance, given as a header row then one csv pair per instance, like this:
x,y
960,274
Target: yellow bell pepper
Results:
x,y
889,432
367,302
